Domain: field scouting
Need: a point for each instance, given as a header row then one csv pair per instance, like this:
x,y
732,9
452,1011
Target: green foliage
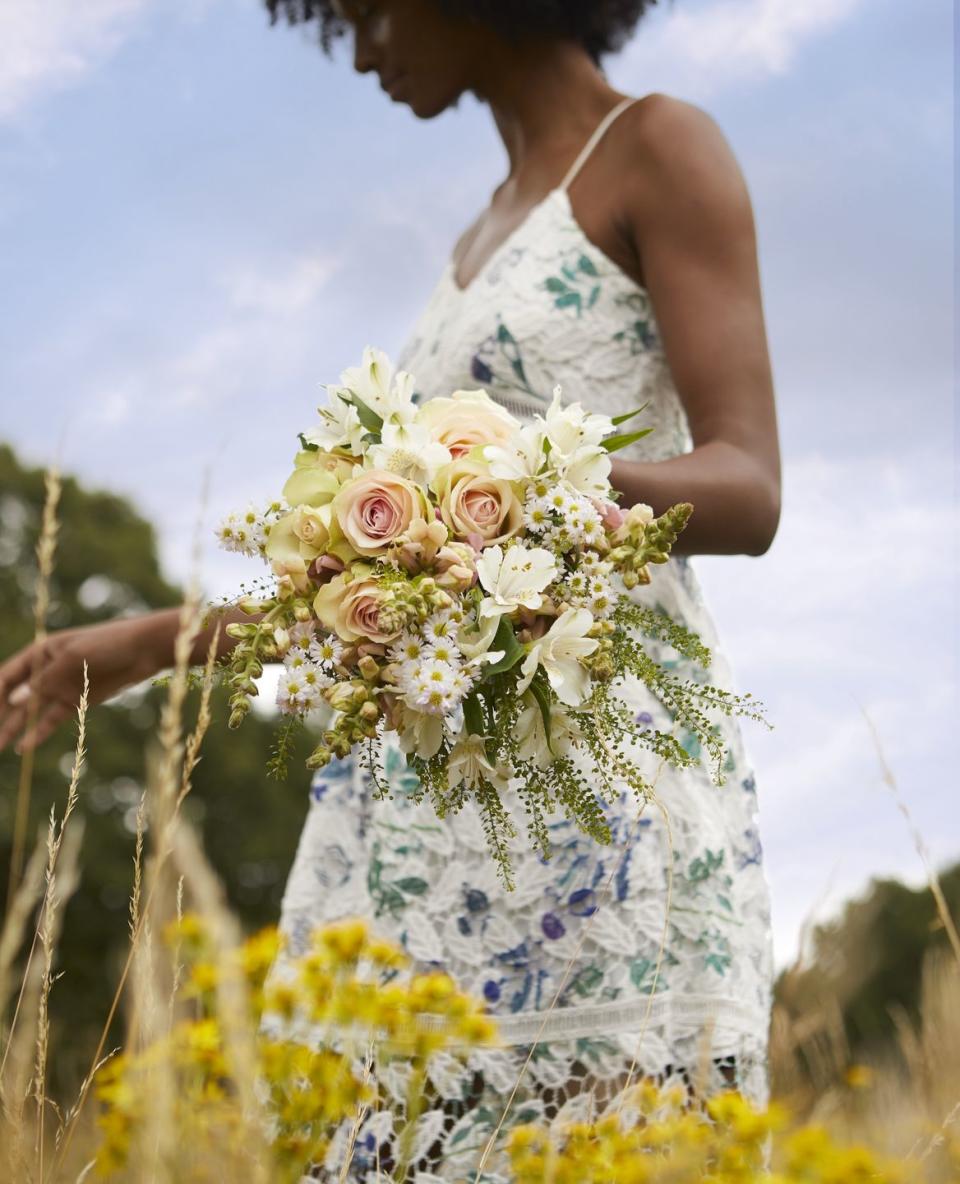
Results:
x,y
869,962
595,765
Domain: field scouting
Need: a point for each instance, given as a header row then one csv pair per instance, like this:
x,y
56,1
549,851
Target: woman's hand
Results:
x,y
43,681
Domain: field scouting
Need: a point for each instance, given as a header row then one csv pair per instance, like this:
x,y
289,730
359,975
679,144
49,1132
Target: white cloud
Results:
x,y
47,47
698,52
852,609
262,314
276,293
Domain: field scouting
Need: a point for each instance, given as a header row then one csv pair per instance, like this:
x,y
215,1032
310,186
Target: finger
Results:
x,y
12,724
52,717
24,706
15,672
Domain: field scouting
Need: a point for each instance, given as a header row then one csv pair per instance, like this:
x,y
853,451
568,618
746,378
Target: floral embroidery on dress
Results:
x,y
501,347
577,286
640,334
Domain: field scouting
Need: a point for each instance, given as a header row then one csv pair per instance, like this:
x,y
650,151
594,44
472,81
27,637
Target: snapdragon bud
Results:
x,y
242,632
320,757
368,668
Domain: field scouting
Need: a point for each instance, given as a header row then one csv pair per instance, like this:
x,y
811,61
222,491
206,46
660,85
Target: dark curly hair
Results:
x,y
600,26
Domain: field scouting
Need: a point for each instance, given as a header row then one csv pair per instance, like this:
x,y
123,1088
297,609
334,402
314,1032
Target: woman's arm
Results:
x,y
692,226
116,653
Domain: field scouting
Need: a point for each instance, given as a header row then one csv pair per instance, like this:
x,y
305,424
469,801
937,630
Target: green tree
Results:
x,y
107,565
867,965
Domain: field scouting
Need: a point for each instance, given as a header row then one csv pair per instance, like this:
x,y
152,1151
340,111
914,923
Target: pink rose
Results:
x,y
352,610
376,507
477,507
466,419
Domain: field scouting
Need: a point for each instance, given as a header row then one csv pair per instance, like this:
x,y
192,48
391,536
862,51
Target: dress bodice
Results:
x,y
550,307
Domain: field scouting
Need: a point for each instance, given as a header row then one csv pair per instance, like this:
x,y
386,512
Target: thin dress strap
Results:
x,y
594,139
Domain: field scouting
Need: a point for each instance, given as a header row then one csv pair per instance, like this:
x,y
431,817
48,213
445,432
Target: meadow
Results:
x,y
200,1069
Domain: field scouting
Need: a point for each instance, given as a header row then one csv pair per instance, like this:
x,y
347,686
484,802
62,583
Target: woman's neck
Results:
x,y
544,97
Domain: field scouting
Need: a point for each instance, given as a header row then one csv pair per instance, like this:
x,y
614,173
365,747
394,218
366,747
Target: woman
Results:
x,y
617,258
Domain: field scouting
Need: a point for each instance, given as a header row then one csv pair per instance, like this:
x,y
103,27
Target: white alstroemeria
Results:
x,y
419,732
406,449
571,428
532,735
388,394
560,652
468,765
587,469
515,578
474,640
519,459
339,426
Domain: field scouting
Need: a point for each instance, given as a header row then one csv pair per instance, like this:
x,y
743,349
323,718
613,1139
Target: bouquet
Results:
x,y
461,581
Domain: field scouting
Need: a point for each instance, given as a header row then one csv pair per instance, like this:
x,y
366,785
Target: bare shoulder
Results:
x,y
677,160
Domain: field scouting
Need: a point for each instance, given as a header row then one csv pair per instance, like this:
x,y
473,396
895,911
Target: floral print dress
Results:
x,y
648,957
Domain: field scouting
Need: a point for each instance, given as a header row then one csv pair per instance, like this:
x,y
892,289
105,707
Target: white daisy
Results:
x,y
407,648
444,650
291,692
440,628
327,650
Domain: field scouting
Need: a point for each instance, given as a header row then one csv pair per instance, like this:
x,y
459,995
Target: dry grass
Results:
x,y
905,1100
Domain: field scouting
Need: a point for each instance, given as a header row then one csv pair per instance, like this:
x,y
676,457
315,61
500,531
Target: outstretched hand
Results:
x,y
41,684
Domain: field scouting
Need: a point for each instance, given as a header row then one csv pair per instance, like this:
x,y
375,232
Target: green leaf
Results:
x,y
367,416
619,419
541,693
567,299
586,265
553,284
412,885
615,443
305,446
504,639
473,715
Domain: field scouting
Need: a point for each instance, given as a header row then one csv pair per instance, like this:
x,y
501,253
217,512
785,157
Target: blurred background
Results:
x,y
202,218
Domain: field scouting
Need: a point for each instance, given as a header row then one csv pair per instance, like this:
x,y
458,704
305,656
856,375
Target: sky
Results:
x,y
202,219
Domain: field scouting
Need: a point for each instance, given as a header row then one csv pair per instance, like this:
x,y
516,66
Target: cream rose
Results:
x,y
312,526
466,419
376,507
352,609
481,509
288,555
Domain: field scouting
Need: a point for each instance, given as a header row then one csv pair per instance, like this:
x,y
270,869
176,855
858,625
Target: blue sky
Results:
x,y
202,218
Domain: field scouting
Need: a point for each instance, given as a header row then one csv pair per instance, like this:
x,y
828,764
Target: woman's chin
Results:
x,y
424,106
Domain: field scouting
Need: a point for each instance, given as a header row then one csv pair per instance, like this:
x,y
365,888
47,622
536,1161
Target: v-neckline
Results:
x,y
450,271
501,246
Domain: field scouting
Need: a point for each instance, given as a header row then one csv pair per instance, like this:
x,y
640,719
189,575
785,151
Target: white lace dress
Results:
x,y
653,952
